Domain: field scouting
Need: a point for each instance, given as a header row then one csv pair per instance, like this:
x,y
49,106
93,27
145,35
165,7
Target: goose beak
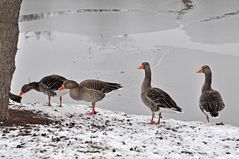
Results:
x,y
62,87
141,66
200,70
21,93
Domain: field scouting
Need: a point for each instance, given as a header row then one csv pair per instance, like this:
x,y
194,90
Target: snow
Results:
x,y
112,134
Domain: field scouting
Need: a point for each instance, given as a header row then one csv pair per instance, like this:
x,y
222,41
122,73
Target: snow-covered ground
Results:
x,y
115,135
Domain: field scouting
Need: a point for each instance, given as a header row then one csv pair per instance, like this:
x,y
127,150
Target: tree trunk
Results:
x,y
9,13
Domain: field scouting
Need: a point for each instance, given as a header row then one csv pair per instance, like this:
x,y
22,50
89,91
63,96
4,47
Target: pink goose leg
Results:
x,y
159,118
152,119
93,110
49,101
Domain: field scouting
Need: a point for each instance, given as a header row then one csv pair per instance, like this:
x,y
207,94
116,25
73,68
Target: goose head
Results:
x,y
27,87
144,65
204,69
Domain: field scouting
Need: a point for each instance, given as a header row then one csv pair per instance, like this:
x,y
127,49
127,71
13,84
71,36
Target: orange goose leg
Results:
x,y
60,102
49,101
152,119
93,110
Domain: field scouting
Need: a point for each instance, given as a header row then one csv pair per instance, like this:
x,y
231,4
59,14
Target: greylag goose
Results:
x,y
89,90
48,85
210,100
155,98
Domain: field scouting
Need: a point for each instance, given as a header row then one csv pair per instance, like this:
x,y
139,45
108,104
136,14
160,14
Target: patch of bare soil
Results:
x,y
26,117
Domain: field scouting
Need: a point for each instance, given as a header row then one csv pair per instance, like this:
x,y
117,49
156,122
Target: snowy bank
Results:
x,y
115,135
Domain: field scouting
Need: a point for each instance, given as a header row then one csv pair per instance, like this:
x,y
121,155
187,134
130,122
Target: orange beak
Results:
x,y
21,93
62,87
141,66
200,70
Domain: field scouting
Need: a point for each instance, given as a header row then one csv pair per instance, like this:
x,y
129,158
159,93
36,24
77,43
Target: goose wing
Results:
x,y
101,86
50,84
162,99
211,101
91,95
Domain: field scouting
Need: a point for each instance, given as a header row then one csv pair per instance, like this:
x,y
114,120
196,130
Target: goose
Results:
x,y
48,85
155,98
89,90
210,100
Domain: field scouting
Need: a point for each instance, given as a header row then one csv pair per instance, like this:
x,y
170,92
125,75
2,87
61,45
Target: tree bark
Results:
x,y
9,13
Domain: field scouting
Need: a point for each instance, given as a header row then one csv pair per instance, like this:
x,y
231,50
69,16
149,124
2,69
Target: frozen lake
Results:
x,y
108,39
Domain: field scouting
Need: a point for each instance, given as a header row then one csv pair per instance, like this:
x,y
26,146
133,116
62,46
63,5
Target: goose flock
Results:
x,y
91,90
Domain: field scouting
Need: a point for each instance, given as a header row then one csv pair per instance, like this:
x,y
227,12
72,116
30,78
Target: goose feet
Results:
x,y
152,119
152,122
93,112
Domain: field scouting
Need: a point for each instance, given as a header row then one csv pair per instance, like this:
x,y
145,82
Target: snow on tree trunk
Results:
x,y
9,13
